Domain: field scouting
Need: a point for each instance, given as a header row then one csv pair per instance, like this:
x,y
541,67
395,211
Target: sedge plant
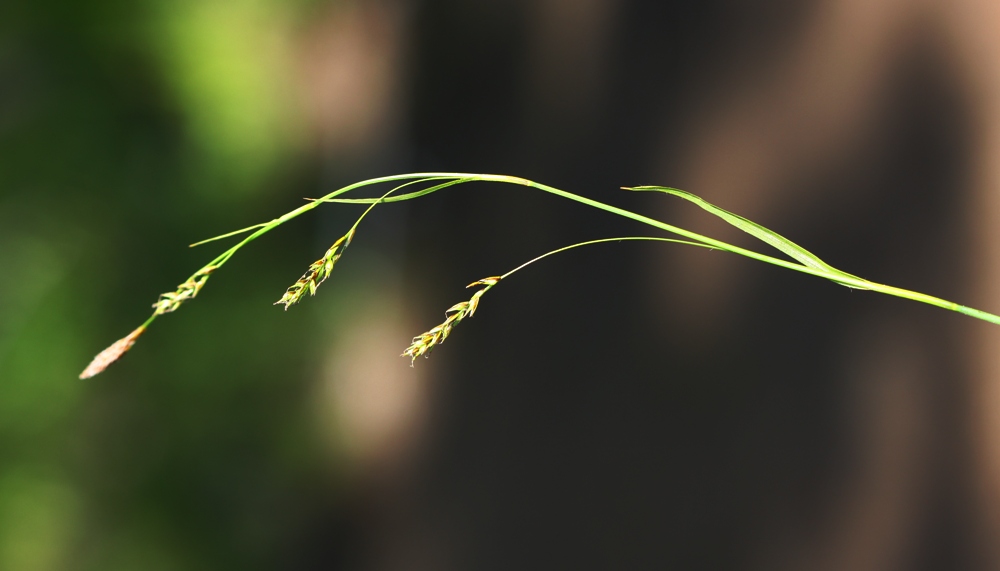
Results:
x,y
418,185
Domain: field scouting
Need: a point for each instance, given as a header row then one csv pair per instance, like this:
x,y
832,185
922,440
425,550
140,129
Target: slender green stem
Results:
x,y
693,237
588,243
600,241
837,277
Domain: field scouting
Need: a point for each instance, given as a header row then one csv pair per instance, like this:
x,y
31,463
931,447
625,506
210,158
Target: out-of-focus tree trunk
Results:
x,y
973,32
789,118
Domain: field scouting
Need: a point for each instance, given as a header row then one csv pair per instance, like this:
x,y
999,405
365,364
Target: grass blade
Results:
x,y
766,235
228,234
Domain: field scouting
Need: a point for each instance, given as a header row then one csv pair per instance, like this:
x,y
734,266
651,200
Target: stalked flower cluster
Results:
x,y
317,273
169,302
423,344
112,353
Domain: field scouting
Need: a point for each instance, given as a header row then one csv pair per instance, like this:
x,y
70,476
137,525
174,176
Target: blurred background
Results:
x,y
626,406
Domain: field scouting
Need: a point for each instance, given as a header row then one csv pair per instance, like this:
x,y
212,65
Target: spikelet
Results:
x,y
317,273
111,354
171,301
423,344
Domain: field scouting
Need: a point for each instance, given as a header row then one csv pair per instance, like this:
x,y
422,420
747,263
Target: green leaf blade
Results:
x,y
766,235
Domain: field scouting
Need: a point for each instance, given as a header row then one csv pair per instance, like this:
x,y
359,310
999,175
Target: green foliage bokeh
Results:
x,y
127,131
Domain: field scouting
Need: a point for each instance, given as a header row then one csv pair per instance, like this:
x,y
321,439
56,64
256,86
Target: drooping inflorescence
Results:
x,y
423,344
317,273
170,301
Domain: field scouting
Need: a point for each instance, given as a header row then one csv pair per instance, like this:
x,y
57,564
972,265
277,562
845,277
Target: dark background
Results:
x,y
621,406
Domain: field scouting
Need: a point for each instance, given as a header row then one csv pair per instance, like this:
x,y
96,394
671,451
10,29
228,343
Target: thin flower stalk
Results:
x,y
424,343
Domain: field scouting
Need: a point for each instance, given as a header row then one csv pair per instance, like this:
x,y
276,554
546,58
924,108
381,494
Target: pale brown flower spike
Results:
x,y
112,353
425,342
317,273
